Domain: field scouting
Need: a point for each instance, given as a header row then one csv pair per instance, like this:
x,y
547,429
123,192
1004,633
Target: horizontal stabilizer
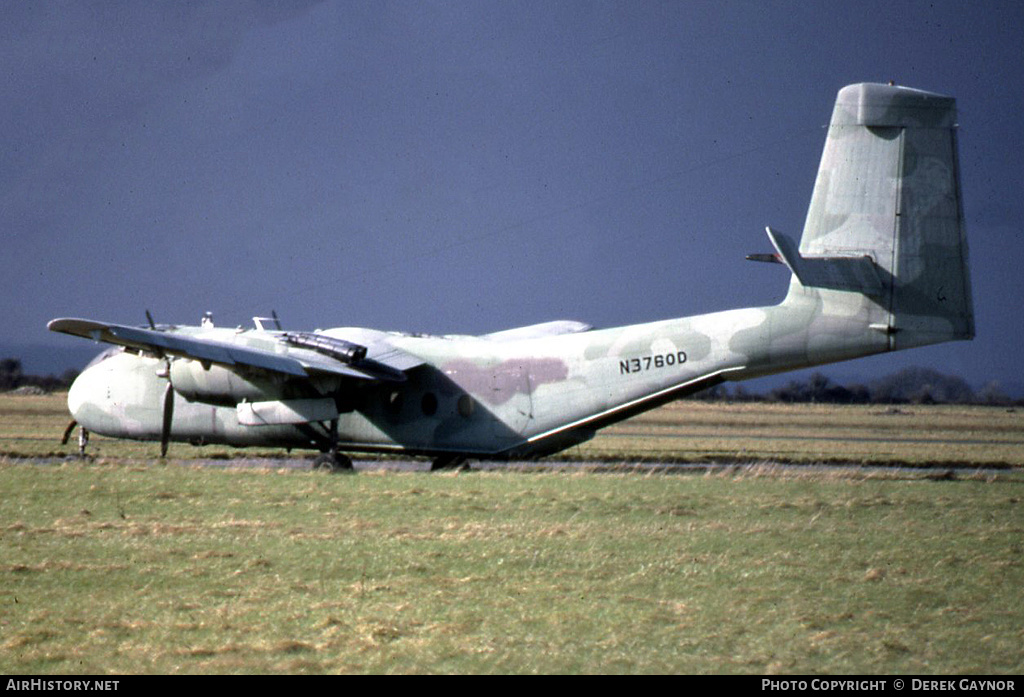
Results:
x,y
858,274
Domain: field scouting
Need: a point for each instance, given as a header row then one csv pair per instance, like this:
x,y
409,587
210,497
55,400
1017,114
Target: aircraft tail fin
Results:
x,y
884,237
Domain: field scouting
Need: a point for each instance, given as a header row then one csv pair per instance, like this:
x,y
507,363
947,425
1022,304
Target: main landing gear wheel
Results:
x,y
330,460
449,462
333,463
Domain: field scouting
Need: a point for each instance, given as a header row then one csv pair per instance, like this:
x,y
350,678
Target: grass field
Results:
x,y
125,564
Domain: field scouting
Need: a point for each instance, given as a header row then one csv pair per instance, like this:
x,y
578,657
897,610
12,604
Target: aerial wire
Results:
x,y
471,239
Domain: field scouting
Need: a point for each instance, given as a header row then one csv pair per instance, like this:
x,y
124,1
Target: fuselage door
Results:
x,y
509,400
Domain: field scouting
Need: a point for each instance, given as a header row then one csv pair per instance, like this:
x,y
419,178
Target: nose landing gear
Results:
x,y
83,437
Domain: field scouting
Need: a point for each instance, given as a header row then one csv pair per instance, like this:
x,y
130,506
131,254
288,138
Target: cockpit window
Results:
x,y
112,351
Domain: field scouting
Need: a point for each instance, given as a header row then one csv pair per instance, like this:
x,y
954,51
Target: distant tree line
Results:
x,y
907,386
13,377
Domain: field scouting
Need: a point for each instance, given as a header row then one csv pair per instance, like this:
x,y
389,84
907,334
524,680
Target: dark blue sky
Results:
x,y
468,166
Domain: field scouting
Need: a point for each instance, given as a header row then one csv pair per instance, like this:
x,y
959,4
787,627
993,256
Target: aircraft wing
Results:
x,y
537,331
314,354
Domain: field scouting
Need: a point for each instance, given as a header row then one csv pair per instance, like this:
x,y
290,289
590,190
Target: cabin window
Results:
x,y
466,406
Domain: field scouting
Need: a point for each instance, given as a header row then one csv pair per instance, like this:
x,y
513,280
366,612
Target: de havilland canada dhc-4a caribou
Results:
x,y
881,266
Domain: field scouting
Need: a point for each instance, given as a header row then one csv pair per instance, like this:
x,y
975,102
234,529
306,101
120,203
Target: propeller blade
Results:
x,y
165,432
67,432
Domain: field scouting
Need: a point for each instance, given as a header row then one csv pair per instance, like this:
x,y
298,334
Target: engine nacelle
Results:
x,y
221,386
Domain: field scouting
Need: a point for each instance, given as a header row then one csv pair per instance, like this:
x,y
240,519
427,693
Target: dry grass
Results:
x,y
933,435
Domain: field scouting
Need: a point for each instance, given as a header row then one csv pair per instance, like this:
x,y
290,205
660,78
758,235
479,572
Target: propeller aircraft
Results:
x,y
881,266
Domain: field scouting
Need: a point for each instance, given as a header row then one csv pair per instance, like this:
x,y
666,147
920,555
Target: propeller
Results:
x,y
68,431
168,410
165,430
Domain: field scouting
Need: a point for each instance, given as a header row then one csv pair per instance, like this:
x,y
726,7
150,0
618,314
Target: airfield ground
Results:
x,y
122,563
682,432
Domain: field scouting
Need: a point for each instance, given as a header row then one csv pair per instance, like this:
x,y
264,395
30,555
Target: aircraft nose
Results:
x,y
86,389
76,395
